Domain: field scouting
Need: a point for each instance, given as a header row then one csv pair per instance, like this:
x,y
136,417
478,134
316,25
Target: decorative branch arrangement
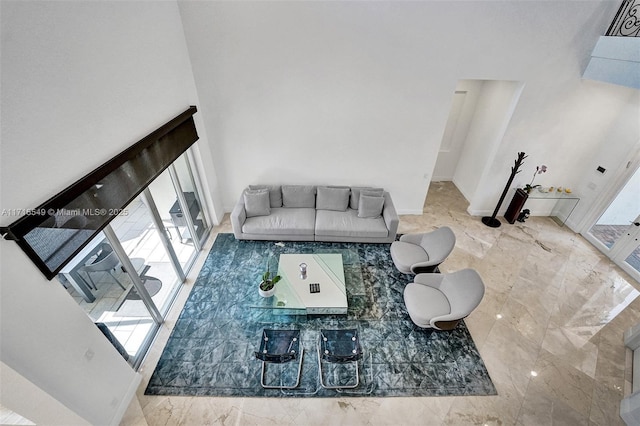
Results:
x,y
492,221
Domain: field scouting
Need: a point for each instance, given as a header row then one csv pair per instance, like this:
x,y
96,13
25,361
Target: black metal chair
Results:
x,y
342,347
279,347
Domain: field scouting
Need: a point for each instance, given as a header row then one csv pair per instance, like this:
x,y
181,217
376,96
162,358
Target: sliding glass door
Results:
x,y
97,279
145,243
128,276
181,211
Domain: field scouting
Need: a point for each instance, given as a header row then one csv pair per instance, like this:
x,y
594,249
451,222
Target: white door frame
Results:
x,y
625,244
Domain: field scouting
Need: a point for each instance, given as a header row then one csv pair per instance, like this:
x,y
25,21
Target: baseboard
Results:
x,y
409,212
126,400
483,212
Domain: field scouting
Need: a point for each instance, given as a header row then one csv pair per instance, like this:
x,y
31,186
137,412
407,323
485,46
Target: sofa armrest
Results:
x,y
390,215
238,217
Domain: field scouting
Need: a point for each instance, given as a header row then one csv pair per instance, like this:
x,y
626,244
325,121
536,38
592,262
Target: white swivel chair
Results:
x,y
418,253
440,301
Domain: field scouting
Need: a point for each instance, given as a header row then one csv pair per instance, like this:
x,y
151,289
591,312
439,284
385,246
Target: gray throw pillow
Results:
x,y
330,198
298,196
256,202
370,206
275,194
355,195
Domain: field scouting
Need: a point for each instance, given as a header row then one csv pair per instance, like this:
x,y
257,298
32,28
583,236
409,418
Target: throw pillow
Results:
x,y
275,194
355,195
333,198
298,196
370,207
256,202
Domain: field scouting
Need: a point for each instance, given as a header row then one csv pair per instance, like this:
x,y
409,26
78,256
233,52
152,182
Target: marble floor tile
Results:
x,y
540,408
578,351
486,410
505,342
525,319
603,398
583,301
559,379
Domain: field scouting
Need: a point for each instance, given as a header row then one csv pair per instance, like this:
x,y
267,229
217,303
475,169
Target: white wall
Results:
x,y
359,92
600,190
620,144
25,397
588,124
81,81
460,117
494,109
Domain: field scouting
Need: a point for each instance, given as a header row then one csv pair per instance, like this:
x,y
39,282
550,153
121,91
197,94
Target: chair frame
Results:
x,y
87,269
357,355
299,354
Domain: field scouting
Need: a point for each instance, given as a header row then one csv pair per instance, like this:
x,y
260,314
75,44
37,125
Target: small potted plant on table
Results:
x,y
268,284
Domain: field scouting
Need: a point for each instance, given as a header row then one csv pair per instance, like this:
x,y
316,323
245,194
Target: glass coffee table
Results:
x,y
323,291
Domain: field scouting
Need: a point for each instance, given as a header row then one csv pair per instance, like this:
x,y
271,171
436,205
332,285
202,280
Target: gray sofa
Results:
x,y
315,213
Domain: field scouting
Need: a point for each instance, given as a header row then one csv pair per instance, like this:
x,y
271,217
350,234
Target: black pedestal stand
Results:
x,y
492,221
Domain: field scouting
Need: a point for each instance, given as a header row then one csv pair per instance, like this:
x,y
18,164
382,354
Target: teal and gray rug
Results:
x,y
210,351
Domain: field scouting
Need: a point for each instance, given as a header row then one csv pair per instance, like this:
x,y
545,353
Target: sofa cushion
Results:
x,y
282,221
355,194
332,198
256,202
275,193
295,196
348,224
369,206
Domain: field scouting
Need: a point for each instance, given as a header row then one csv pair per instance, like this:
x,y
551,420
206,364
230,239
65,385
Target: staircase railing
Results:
x,y
627,21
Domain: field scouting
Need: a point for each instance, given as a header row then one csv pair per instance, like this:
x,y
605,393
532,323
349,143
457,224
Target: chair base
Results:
x,y
446,325
329,386
491,222
428,270
297,383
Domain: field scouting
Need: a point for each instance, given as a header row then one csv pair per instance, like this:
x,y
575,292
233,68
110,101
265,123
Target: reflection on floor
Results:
x,y
549,331
128,319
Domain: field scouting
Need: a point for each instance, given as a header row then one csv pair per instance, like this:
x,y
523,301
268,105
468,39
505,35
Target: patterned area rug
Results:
x,y
211,349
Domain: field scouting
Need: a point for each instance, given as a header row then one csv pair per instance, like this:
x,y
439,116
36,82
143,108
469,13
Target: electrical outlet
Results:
x,y
88,355
601,169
